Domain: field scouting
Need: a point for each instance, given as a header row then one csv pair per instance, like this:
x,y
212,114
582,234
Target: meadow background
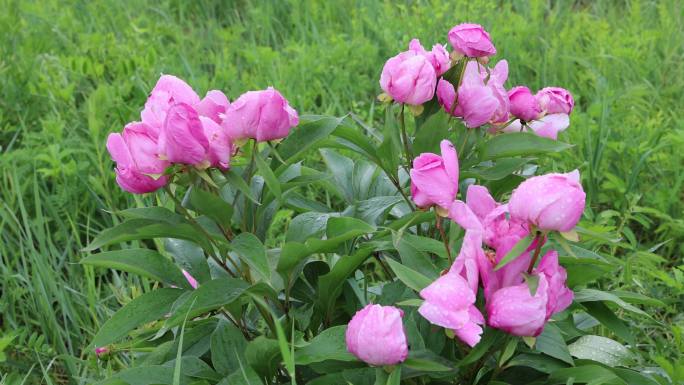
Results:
x,y
71,72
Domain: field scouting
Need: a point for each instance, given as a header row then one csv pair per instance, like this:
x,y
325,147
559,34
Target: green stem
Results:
x,y
438,223
537,250
404,136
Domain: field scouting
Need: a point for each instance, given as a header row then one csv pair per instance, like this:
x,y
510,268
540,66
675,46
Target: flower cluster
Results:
x,y
520,294
177,127
415,76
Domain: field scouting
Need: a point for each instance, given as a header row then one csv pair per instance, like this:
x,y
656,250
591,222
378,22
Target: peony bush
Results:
x,y
431,250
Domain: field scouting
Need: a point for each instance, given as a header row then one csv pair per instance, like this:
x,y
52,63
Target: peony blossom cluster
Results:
x,y
416,76
551,202
177,127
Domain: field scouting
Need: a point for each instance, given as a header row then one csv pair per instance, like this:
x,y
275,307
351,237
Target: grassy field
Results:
x,y
71,72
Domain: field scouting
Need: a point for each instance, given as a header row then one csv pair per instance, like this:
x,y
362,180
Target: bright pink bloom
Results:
x,y
434,178
559,295
376,335
213,106
409,77
549,202
523,104
182,138
548,126
514,310
138,166
101,351
555,100
438,56
191,280
450,303
220,146
260,115
471,40
168,91
478,103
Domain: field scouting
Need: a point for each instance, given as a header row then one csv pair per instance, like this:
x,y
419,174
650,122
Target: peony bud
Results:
x,y
514,310
376,335
168,91
409,78
555,100
524,105
182,137
471,40
549,202
438,57
261,115
138,166
434,178
559,295
213,106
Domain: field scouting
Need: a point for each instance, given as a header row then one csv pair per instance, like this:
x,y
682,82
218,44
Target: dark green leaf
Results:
x,y
237,182
306,136
581,375
136,229
209,296
269,177
263,355
330,285
520,144
146,308
252,251
551,342
227,348
601,349
144,262
212,206
328,345
147,375
538,362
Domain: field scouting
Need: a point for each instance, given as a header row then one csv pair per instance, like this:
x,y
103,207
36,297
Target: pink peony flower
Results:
x,y
138,166
438,56
434,178
182,138
549,202
220,145
559,295
555,100
524,105
514,310
260,115
213,106
478,103
548,126
168,91
376,335
409,77
471,40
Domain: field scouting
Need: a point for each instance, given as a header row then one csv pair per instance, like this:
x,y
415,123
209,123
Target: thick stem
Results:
x,y
537,238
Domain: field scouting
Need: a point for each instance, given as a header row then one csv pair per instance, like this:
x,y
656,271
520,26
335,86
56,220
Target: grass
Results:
x,y
72,73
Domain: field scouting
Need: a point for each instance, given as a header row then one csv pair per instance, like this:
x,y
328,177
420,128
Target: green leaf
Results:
x,y
146,375
414,258
538,362
227,348
520,144
430,134
212,206
606,316
263,355
309,134
633,377
269,177
328,345
591,295
305,226
409,277
490,338
425,365
584,270
499,170
146,308
143,262
136,229
593,374
394,377
551,342
601,349
252,251
208,296
236,181
515,252
330,285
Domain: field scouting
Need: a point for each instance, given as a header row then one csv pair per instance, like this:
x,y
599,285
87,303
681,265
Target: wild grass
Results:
x,y
71,72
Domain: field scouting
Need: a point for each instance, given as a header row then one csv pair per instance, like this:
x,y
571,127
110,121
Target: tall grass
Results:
x,y
70,73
